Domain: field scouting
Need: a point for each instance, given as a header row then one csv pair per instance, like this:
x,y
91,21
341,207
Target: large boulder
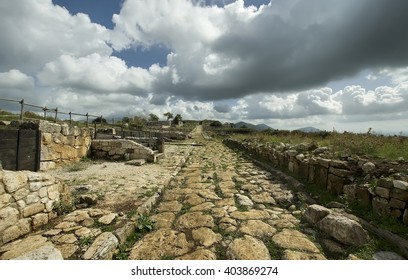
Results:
x,y
314,213
344,230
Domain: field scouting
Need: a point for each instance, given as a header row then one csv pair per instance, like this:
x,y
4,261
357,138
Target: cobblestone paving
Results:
x,y
221,206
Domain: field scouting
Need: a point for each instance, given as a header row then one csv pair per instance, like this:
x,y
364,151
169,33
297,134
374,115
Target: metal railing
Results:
x,y
45,109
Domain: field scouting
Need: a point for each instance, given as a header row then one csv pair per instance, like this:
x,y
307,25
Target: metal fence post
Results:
x,y
22,109
45,112
56,114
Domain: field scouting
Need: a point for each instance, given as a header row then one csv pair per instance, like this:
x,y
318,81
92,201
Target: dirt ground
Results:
x,y
117,186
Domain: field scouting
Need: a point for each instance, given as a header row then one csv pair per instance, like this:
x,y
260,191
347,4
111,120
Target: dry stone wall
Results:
x,y
26,202
63,143
121,149
387,197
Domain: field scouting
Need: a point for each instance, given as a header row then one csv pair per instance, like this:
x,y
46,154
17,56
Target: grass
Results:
x,y
275,252
78,166
144,223
388,147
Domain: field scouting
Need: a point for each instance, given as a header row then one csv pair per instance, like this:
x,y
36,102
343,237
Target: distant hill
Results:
x,y
309,129
258,127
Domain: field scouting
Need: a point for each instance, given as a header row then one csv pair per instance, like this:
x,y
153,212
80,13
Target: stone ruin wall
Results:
x,y
26,202
121,149
388,198
63,143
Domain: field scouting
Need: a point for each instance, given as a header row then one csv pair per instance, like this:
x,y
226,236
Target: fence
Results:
x,y
45,109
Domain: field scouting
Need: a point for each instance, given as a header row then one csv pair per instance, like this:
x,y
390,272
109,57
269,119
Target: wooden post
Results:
x,y
101,121
121,130
70,118
22,109
87,119
45,112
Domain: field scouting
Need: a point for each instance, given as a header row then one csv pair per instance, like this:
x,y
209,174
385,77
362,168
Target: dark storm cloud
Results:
x,y
222,108
296,45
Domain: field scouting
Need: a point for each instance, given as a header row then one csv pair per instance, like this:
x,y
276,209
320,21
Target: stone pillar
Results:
x,y
160,144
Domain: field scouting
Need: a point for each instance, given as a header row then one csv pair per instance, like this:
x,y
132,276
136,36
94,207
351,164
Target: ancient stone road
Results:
x,y
221,206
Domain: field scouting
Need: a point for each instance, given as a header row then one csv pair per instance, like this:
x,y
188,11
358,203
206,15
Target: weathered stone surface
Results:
x,y
65,239
42,253
218,212
21,228
315,213
264,198
77,216
250,215
244,200
64,225
399,194
248,248
33,209
382,192
368,166
296,255
200,254
67,250
4,200
402,185
83,232
205,236
293,239
405,217
8,217
20,247
385,183
207,194
194,220
171,206
383,255
102,248
257,228
52,232
396,203
284,198
344,230
14,181
125,231
40,220
194,199
21,194
381,206
160,244
202,207
163,220
107,219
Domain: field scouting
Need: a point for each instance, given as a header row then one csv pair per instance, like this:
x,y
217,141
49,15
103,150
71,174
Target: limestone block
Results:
x,y
43,253
395,203
385,183
248,248
323,162
405,217
363,196
350,192
76,131
14,181
382,192
53,192
335,184
340,172
47,165
8,217
40,220
339,164
35,186
381,206
46,138
21,204
43,192
49,206
65,129
399,194
32,198
68,152
320,176
33,209
68,140
102,248
315,213
402,185
124,232
38,177
48,153
344,230
5,200
21,228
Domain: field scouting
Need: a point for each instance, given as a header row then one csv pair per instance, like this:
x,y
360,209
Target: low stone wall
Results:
x,y
121,149
63,143
26,202
387,196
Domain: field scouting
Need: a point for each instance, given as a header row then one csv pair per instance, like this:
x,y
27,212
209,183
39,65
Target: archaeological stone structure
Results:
x,y
26,202
388,197
63,143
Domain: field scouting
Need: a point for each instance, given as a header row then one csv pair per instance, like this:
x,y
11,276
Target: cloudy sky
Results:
x,y
287,63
